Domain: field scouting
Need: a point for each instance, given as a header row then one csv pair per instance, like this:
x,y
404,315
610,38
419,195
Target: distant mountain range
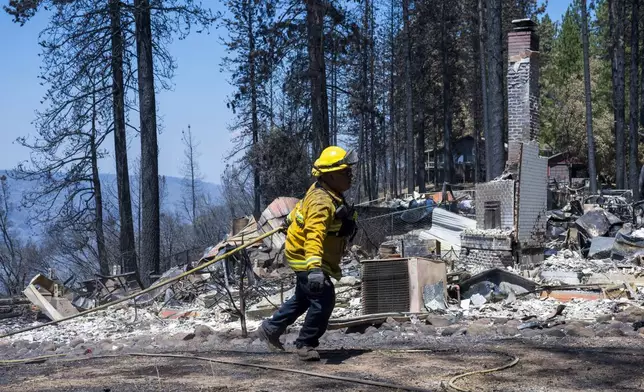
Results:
x,y
19,216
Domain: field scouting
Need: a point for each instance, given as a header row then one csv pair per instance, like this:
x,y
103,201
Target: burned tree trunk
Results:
x,y
373,179
408,99
98,197
252,73
592,172
447,105
634,101
126,234
392,110
150,233
317,74
616,21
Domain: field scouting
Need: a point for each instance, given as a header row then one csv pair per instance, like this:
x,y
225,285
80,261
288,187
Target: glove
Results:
x,y
285,224
316,280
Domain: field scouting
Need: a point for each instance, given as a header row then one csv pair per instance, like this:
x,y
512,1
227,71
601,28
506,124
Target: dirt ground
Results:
x,y
597,364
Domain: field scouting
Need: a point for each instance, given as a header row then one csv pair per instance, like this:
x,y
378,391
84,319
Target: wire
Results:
x,y
151,288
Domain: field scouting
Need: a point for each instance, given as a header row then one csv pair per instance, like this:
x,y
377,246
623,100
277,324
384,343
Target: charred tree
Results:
x,y
616,21
409,140
592,172
98,194
633,173
150,231
447,96
252,81
315,10
126,234
392,107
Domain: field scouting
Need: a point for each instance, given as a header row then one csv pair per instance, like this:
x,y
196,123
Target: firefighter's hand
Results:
x,y
316,280
285,224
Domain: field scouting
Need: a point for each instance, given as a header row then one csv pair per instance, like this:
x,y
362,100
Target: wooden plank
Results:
x,y
37,299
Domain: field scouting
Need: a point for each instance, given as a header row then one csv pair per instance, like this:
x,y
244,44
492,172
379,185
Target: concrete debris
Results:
x,y
601,247
478,300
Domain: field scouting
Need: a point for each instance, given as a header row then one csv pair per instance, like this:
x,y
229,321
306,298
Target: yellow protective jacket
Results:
x,y
312,240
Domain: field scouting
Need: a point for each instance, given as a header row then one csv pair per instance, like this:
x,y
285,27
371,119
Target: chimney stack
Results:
x,y
523,87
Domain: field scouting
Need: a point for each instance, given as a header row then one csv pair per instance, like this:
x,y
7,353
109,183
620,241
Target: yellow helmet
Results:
x,y
333,158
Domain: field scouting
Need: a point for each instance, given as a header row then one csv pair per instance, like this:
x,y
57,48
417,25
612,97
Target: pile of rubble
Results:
x,y
568,285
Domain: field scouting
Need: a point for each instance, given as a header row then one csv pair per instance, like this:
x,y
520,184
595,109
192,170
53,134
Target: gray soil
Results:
x,y
575,357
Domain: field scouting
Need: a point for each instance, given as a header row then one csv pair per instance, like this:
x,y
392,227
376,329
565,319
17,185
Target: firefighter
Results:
x,y
318,230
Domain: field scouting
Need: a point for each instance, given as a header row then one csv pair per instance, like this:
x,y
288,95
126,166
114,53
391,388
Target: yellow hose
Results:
x,y
496,369
32,359
153,287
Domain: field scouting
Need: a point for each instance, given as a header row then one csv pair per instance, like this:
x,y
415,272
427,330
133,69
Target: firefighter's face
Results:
x,y
340,180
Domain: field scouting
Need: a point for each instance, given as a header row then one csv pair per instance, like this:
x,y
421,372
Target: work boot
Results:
x,y
271,340
307,353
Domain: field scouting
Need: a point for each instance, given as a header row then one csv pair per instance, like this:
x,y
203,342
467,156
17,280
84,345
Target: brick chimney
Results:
x,y
523,87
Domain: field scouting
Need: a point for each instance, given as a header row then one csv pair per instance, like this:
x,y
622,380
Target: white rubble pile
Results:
x,y
639,233
571,261
488,232
347,298
576,309
123,323
472,268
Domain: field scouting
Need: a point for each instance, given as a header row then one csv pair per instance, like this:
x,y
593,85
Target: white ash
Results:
x,y
639,233
571,261
471,268
576,263
121,324
576,309
488,232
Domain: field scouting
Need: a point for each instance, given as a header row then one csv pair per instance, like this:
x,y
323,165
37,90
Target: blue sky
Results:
x,y
198,97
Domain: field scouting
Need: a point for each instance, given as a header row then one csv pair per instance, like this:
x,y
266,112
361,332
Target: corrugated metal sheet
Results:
x,y
446,228
272,218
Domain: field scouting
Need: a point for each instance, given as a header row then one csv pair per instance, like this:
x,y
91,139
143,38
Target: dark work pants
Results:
x,y
319,308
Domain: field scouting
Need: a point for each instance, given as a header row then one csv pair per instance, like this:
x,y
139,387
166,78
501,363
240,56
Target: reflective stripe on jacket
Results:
x,y
311,240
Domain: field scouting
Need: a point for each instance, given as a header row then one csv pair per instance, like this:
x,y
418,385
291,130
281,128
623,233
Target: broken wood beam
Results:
x,y
14,301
